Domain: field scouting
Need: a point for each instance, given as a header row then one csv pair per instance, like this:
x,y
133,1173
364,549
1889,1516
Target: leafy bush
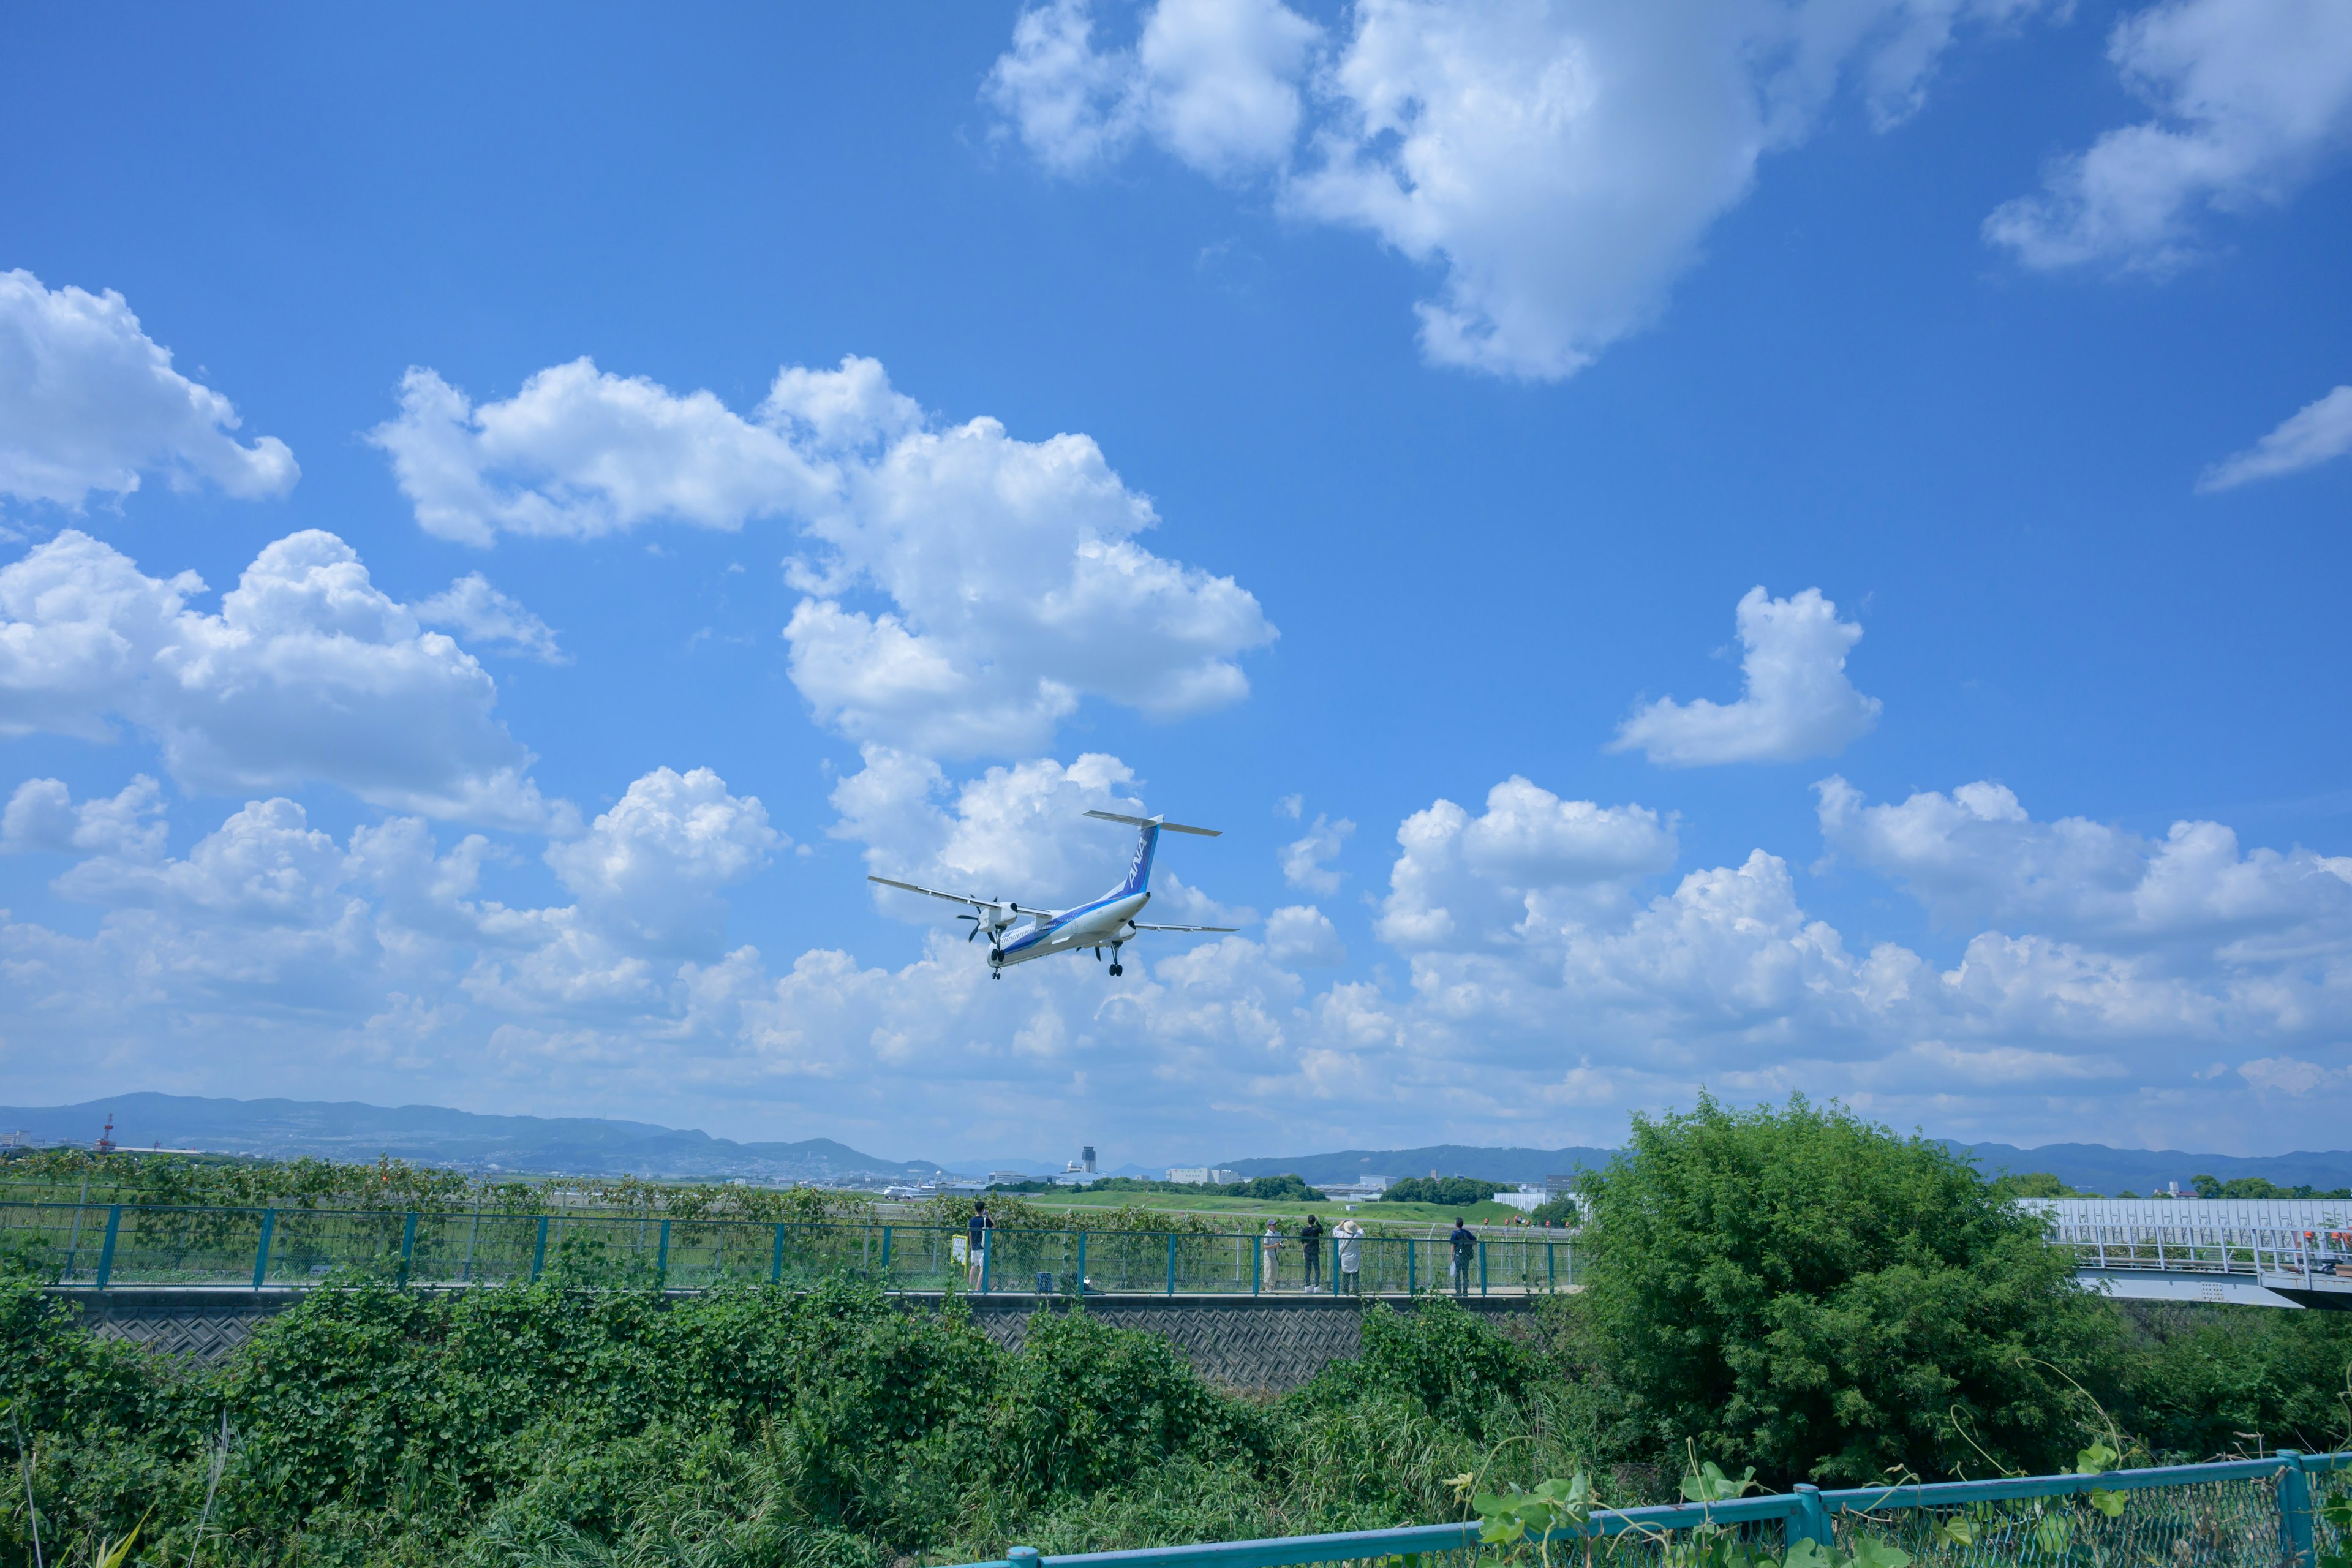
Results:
x,y
1827,1299
1792,1287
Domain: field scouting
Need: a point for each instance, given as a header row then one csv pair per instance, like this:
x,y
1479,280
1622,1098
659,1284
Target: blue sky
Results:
x,y
679,464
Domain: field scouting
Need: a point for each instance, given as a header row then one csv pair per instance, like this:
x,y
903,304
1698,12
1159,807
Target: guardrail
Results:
x,y
2239,1513
106,1245
2188,1247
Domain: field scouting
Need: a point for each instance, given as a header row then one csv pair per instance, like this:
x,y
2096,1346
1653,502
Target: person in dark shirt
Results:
x,y
1465,1256
1310,1236
976,1244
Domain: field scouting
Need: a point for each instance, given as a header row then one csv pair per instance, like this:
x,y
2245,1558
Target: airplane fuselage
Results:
x,y
1098,924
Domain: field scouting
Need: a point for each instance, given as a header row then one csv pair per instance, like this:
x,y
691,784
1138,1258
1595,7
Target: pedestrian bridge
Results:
x,y
2248,1252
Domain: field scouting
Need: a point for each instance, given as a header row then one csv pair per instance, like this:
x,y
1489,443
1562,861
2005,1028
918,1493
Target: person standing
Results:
x,y
975,1232
1466,1255
1310,1236
1269,1249
1351,1237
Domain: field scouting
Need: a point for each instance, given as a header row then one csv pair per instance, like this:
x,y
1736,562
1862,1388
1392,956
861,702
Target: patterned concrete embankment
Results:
x,y
1244,1341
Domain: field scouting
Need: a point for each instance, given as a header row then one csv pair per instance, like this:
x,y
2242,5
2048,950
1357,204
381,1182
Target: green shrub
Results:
x,y
1825,1299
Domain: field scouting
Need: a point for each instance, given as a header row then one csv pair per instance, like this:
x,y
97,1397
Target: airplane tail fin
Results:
x,y
1147,840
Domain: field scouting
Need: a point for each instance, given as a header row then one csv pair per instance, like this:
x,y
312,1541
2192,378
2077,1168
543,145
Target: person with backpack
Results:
x,y
1310,1236
1466,1255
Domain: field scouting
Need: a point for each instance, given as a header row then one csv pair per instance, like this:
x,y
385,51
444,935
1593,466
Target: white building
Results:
x,y
1202,1175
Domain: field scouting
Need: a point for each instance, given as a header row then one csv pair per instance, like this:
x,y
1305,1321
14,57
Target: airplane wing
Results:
x,y
1140,926
934,892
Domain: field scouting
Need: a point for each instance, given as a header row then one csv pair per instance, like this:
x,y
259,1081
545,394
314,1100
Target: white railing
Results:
x,y
2247,1237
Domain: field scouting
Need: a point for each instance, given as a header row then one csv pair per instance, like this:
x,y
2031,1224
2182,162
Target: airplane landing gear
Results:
x,y
1115,968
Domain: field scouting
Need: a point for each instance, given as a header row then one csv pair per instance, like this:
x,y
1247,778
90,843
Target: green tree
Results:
x,y
1457,1190
1801,1289
2035,1185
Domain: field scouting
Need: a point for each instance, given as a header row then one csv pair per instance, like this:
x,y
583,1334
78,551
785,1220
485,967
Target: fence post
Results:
x,y
1482,1266
1412,1285
886,1255
261,1252
106,1253
1172,1263
1811,1520
661,1258
1022,1557
1082,1265
539,1251
407,1245
2295,1511
776,1258
1551,1268
984,1234
1257,1265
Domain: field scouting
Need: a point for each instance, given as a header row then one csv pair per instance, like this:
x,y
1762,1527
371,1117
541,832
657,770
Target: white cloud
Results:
x,y
651,866
1303,936
1558,163
1530,863
2252,97
579,453
42,818
1303,859
1214,82
1798,703
1543,998
2315,434
309,673
88,402
2286,1075
481,614
1012,581
1976,856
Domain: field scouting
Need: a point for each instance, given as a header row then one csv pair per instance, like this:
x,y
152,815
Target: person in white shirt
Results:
x,y
1351,1237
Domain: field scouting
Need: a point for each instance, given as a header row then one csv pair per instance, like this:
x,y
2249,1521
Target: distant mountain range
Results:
x,y
2088,1167
593,1146
428,1134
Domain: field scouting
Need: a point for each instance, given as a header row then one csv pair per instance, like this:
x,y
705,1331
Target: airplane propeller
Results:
x,y
998,918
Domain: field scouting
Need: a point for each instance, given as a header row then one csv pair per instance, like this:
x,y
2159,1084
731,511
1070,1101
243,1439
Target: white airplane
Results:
x,y
1108,923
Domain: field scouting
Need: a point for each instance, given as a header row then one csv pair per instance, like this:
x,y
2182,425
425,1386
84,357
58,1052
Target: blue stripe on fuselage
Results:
x,y
1040,931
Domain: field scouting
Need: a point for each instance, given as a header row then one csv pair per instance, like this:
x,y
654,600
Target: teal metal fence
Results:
x,y
2269,1512
108,1245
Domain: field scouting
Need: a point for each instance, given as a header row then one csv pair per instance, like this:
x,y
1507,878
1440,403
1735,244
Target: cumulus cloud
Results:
x,y
1302,860
1011,581
1529,862
88,402
2315,434
309,673
1303,936
42,818
1544,988
481,614
1976,856
653,864
2286,1075
579,453
2252,99
1798,703
1557,163
1214,82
